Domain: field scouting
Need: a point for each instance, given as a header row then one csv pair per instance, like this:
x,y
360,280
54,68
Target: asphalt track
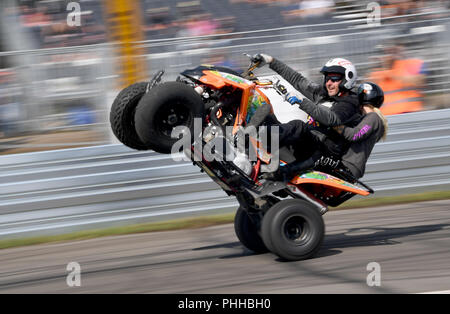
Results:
x,y
410,243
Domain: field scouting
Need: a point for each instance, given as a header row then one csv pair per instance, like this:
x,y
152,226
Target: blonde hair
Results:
x,y
383,119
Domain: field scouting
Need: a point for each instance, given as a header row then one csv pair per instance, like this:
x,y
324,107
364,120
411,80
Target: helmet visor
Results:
x,y
333,77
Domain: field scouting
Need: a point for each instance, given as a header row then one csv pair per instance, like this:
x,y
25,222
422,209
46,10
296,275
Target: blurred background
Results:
x,y
63,62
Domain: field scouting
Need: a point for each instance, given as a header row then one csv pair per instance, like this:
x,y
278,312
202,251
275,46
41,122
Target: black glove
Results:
x,y
261,59
327,144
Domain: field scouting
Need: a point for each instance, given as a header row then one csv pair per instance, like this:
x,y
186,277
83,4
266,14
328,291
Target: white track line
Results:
x,y
436,292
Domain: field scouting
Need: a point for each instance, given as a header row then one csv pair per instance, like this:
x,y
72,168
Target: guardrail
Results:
x,y
60,191
72,88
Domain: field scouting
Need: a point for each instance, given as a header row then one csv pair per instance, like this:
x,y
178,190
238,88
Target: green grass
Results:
x,y
392,200
186,223
199,222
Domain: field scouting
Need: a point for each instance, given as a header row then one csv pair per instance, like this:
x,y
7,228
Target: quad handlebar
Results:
x,y
248,74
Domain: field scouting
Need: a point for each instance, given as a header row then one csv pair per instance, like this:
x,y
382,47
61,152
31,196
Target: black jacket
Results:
x,y
342,110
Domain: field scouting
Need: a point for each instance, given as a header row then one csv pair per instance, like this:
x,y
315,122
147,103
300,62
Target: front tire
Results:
x,y
121,116
247,232
293,229
163,108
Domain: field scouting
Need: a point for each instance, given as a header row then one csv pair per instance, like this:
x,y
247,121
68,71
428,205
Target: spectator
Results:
x,y
35,20
9,104
308,12
46,21
401,79
201,25
316,11
158,22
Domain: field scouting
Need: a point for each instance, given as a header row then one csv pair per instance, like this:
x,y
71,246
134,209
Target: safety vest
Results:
x,y
399,97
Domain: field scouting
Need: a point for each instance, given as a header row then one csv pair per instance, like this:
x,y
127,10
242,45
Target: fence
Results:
x,y
60,191
72,88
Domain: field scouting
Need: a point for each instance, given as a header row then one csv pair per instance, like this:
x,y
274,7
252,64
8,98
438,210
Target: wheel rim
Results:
x,y
296,230
171,116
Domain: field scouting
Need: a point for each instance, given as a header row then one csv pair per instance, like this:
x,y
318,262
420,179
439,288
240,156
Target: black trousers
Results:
x,y
298,137
300,142
309,147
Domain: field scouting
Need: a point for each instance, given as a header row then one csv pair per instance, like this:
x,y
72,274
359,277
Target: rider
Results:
x,y
339,103
330,104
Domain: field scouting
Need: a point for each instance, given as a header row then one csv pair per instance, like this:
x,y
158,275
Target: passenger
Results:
x,y
367,133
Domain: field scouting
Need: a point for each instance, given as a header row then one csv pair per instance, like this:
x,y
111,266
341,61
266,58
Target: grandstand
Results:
x,y
80,72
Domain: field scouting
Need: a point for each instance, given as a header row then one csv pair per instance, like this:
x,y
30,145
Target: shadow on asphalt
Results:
x,y
219,246
230,245
376,236
354,237
357,237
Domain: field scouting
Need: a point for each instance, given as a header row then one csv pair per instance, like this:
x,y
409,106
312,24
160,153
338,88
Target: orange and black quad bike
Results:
x,y
206,113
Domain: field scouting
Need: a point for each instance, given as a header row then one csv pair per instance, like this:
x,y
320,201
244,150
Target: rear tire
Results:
x,y
247,232
163,108
293,229
121,116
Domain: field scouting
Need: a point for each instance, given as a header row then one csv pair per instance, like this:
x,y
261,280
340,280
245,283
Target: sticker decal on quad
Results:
x,y
326,177
231,77
254,102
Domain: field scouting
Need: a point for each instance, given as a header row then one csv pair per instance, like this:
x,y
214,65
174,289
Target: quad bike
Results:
x,y
282,217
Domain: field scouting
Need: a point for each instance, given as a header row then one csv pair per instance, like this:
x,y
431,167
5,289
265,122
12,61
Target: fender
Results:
x,y
324,179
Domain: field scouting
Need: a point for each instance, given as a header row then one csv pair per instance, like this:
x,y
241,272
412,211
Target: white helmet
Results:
x,y
344,67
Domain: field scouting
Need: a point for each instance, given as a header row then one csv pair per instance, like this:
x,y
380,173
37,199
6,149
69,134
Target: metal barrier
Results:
x,y
61,84
63,90
65,190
